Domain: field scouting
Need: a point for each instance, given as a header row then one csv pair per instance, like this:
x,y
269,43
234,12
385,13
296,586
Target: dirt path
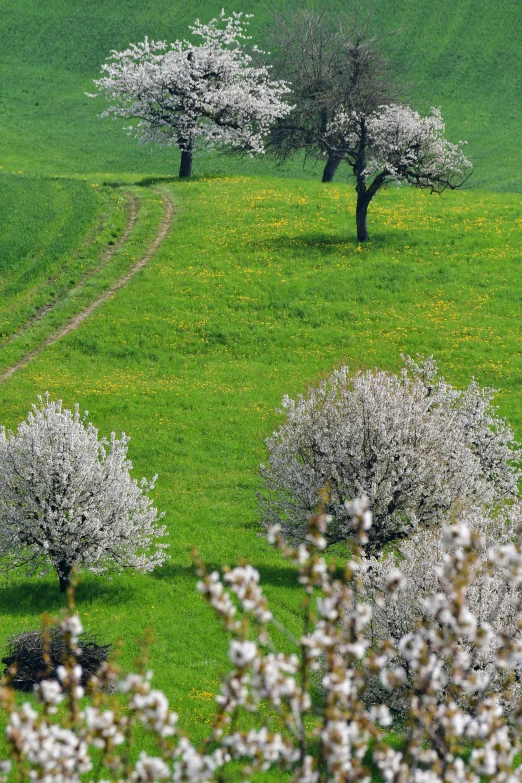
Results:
x,y
78,319
109,252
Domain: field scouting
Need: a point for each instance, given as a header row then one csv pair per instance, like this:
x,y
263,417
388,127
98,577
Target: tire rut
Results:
x,y
108,253
78,319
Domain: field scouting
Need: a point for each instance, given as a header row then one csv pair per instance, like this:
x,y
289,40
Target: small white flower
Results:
x,y
241,653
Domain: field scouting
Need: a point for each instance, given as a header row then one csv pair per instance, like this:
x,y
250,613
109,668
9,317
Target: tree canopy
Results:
x,y
67,499
188,94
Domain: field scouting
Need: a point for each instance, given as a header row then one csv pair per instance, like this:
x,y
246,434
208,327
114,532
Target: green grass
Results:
x,y
461,55
261,290
85,275
47,241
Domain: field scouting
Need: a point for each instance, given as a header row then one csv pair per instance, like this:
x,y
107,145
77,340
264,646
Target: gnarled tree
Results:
x,y
333,64
184,94
67,499
395,144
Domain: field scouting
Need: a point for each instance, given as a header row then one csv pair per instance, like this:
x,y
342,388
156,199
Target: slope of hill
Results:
x,y
259,290
461,55
43,224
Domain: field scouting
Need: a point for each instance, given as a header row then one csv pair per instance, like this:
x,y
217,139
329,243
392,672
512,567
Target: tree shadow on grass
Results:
x,y
280,576
327,244
103,590
33,598
147,182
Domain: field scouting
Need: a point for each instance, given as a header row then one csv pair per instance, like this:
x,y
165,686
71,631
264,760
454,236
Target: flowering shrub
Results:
x,y
418,564
183,94
410,442
451,712
67,499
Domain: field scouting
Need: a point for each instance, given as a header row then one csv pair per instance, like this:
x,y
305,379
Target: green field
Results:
x,y
258,290
463,56
53,234
265,296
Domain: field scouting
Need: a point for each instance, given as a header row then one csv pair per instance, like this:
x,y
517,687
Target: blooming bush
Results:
x,y
67,499
412,443
418,563
450,711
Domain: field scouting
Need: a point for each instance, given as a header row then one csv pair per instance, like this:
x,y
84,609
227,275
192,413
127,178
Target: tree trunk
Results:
x,y
363,198
331,167
185,167
64,575
361,213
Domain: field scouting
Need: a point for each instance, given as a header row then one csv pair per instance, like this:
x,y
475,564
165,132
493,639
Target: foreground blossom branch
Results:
x,y
321,727
493,600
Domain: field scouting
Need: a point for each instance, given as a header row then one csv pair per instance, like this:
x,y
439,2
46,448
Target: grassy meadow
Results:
x,y
258,290
464,57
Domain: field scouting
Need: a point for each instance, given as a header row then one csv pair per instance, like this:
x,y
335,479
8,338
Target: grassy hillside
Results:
x,y
39,301
52,234
258,291
461,55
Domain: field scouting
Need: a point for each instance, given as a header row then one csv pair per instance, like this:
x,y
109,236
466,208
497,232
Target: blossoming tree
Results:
x,y
67,499
412,443
346,107
185,94
395,144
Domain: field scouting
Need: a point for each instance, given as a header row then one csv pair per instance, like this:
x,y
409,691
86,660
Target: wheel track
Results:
x,y
78,319
108,253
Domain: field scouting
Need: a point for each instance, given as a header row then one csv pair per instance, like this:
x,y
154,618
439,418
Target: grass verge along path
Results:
x,y
111,249
75,293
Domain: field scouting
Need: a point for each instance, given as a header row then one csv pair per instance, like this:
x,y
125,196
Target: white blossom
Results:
x,y
72,625
67,499
187,94
150,768
242,653
414,445
49,692
402,145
